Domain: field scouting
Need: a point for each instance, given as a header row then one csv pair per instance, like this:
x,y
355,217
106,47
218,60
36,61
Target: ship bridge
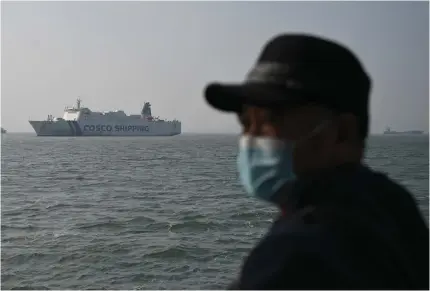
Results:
x,y
72,113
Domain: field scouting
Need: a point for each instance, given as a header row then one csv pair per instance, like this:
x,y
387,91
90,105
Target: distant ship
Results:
x,y
389,131
3,130
81,121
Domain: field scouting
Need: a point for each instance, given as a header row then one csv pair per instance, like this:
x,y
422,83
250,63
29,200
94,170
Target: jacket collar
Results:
x,y
307,189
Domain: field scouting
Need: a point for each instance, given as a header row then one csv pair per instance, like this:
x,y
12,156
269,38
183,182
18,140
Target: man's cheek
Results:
x,y
301,161
308,158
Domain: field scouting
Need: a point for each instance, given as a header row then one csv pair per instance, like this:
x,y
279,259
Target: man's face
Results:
x,y
314,150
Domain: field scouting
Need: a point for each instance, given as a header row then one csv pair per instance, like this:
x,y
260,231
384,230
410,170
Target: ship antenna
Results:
x,y
78,103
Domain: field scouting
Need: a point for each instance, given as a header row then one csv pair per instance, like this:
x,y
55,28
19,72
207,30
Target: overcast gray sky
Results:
x,y
116,55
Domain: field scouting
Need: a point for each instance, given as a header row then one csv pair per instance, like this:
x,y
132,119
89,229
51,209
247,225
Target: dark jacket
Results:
x,y
349,228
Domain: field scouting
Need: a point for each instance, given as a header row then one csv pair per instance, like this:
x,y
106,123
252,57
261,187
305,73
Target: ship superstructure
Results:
x,y
81,121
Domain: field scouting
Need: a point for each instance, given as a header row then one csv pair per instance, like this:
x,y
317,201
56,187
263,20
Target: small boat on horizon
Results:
x,y
389,131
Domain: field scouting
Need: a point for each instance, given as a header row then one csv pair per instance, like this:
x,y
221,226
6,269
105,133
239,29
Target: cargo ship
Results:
x,y
81,121
389,131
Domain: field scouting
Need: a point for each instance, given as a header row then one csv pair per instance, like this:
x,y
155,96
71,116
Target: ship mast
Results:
x,y
78,103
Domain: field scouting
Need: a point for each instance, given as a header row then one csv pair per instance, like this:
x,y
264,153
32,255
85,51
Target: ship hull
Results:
x,y
80,128
404,133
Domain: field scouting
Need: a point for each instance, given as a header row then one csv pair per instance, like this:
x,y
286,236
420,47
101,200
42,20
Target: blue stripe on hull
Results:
x,y
75,129
78,130
72,131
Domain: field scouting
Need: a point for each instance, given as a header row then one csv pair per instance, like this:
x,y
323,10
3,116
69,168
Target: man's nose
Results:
x,y
253,127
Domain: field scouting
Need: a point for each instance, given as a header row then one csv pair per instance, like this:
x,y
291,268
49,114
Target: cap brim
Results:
x,y
232,98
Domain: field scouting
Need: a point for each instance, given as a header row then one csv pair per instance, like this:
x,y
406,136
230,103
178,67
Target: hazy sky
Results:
x,y
116,55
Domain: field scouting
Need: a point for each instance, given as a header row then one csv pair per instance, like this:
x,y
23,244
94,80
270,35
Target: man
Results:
x,y
305,118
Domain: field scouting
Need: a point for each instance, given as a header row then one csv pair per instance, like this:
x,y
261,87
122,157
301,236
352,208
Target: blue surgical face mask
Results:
x,y
265,164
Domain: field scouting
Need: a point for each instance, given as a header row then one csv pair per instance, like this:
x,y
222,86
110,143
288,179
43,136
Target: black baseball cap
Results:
x,y
298,69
